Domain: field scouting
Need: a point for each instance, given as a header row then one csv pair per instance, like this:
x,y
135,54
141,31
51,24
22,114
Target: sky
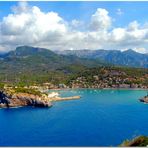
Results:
x,y
68,25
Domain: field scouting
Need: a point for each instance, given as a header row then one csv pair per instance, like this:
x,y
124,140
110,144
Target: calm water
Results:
x,y
99,118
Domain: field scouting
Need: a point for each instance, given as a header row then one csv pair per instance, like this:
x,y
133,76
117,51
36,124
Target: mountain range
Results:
x,y
128,58
34,57
28,64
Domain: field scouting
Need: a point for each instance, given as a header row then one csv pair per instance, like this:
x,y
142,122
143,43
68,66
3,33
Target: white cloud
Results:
x,y
28,25
31,27
100,20
22,7
75,23
119,11
118,34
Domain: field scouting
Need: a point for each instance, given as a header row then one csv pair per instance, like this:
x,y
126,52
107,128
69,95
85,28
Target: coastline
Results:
x,y
45,97
56,89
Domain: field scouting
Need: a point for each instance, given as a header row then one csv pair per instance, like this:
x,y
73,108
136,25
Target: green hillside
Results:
x,y
28,64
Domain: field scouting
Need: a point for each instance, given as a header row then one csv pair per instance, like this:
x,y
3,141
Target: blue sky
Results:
x,y
83,9
121,14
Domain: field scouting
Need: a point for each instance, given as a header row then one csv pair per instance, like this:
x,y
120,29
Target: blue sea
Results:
x,y
99,118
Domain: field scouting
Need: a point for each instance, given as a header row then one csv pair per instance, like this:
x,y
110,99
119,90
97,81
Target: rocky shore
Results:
x,y
140,141
22,99
8,100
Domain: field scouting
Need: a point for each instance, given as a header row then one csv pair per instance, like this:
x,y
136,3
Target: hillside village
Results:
x,y
104,77
110,78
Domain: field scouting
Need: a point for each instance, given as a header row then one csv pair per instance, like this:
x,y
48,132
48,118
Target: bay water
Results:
x,y
98,118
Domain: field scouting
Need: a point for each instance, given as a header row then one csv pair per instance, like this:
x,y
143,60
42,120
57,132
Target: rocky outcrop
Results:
x,y
144,99
141,141
22,99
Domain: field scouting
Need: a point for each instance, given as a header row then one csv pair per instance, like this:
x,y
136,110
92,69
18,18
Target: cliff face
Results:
x,y
4,99
22,99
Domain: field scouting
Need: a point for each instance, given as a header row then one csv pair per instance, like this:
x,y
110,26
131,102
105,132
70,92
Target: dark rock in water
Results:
x,y
144,99
22,99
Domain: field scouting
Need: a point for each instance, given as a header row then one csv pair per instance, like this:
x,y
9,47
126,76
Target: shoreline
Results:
x,y
56,89
26,99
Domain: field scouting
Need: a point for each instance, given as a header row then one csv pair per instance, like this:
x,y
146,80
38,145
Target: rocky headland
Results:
x,y
22,99
18,99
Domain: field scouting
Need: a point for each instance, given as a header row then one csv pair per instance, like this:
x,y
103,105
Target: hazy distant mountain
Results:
x,y
41,57
125,58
